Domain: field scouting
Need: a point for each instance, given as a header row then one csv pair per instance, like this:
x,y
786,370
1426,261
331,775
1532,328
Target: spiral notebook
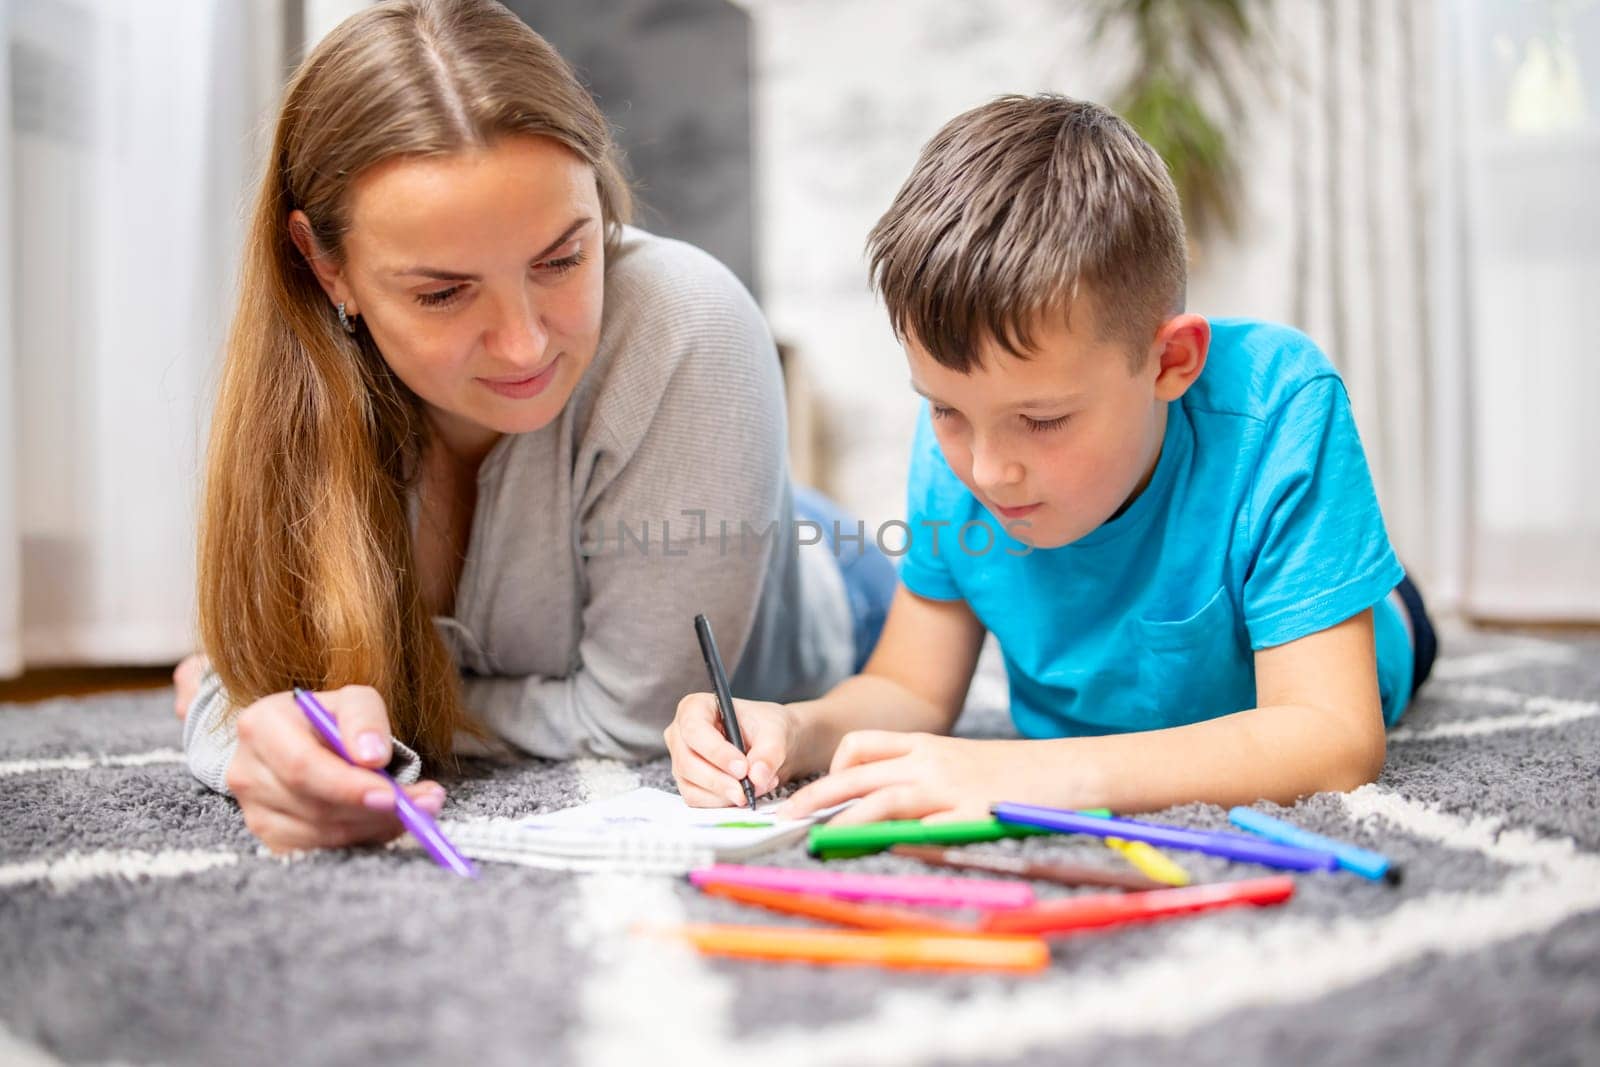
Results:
x,y
643,830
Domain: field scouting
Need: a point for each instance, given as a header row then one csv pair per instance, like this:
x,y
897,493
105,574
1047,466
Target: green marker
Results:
x,y
848,842
834,842
846,853
742,826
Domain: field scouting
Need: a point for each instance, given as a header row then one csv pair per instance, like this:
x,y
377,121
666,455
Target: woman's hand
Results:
x,y
296,793
914,776
186,680
709,768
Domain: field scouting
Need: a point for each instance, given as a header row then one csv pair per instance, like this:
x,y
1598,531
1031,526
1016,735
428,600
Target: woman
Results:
x,y
481,452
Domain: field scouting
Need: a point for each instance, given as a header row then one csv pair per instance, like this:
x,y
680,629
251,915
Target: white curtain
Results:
x,y
1334,238
10,554
133,134
1519,239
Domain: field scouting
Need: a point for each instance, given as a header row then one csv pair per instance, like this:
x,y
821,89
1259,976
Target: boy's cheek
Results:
x,y
959,459
960,463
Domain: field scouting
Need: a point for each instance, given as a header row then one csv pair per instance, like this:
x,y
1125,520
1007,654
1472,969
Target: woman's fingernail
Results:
x,y
369,747
431,802
737,768
378,800
736,795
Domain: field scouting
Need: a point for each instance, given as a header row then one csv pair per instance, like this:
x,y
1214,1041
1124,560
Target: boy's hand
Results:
x,y
708,767
912,776
296,793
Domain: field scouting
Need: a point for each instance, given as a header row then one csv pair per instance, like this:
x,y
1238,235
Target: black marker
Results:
x,y
719,682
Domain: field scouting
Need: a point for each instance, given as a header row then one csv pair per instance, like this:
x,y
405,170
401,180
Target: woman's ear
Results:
x,y
1180,347
329,274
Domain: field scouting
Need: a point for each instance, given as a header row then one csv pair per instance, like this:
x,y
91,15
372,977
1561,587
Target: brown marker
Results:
x,y
1059,873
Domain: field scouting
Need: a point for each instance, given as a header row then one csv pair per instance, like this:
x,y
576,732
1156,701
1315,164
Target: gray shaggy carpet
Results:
x,y
140,924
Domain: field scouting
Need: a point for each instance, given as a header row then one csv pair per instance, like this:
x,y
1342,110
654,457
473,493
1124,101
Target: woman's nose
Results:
x,y
518,335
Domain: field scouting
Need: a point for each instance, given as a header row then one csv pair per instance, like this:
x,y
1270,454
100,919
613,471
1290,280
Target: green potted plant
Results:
x,y
1191,58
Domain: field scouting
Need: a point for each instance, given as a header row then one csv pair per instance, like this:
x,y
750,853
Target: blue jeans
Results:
x,y
869,576
1424,641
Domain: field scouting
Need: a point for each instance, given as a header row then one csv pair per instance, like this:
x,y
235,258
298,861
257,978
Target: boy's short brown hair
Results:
x,y
1013,210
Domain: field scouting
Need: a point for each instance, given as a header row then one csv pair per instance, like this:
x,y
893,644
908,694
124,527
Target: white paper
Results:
x,y
666,817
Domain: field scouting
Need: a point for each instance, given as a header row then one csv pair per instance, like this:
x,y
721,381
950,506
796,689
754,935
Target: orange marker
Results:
x,y
897,949
842,912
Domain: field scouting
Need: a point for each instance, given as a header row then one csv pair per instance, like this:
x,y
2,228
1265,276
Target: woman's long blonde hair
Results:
x,y
306,569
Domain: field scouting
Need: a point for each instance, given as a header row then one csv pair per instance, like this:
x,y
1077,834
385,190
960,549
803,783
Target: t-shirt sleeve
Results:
x,y
1319,550
934,512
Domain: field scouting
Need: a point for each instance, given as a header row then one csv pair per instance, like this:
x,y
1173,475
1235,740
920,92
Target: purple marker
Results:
x,y
422,827
1217,843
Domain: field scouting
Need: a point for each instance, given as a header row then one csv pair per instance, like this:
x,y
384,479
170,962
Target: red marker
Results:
x,y
1113,909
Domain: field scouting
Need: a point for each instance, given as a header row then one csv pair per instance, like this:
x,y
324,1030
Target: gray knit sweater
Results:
x,y
660,492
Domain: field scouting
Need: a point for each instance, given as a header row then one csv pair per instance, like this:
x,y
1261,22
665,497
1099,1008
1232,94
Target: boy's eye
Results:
x,y
1046,425
941,412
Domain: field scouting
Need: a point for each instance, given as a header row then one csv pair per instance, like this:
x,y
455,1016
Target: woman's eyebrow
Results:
x,y
458,276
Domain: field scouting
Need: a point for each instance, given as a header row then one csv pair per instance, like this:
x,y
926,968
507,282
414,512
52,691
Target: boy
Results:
x,y
1167,523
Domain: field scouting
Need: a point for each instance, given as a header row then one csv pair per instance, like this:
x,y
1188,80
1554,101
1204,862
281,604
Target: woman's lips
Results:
x,y
523,388
1018,513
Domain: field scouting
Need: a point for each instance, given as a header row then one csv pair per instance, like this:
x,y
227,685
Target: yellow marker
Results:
x,y
1150,860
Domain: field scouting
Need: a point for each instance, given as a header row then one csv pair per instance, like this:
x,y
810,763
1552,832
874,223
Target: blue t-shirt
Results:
x,y
1259,526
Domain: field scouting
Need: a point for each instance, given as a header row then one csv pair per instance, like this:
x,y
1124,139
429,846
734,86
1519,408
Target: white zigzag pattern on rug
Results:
x,y
84,761
639,992
1534,712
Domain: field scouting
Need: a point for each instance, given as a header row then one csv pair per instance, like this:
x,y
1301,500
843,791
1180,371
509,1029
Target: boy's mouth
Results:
x,y
1017,513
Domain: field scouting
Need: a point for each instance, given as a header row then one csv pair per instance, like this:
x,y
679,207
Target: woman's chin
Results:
x,y
530,421
510,415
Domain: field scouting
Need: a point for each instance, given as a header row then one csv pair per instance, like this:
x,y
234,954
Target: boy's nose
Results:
x,y
993,471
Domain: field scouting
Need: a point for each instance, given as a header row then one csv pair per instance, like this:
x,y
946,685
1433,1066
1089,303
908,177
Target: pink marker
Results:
x,y
931,890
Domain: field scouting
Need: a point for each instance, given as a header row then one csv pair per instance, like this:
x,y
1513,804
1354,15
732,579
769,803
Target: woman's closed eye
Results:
x,y
440,297
548,268
565,263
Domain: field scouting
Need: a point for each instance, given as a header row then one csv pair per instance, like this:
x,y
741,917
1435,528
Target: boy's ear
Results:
x,y
329,274
1179,351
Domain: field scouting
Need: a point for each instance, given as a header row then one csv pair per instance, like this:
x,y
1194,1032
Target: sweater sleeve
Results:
x,y
690,460
210,739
